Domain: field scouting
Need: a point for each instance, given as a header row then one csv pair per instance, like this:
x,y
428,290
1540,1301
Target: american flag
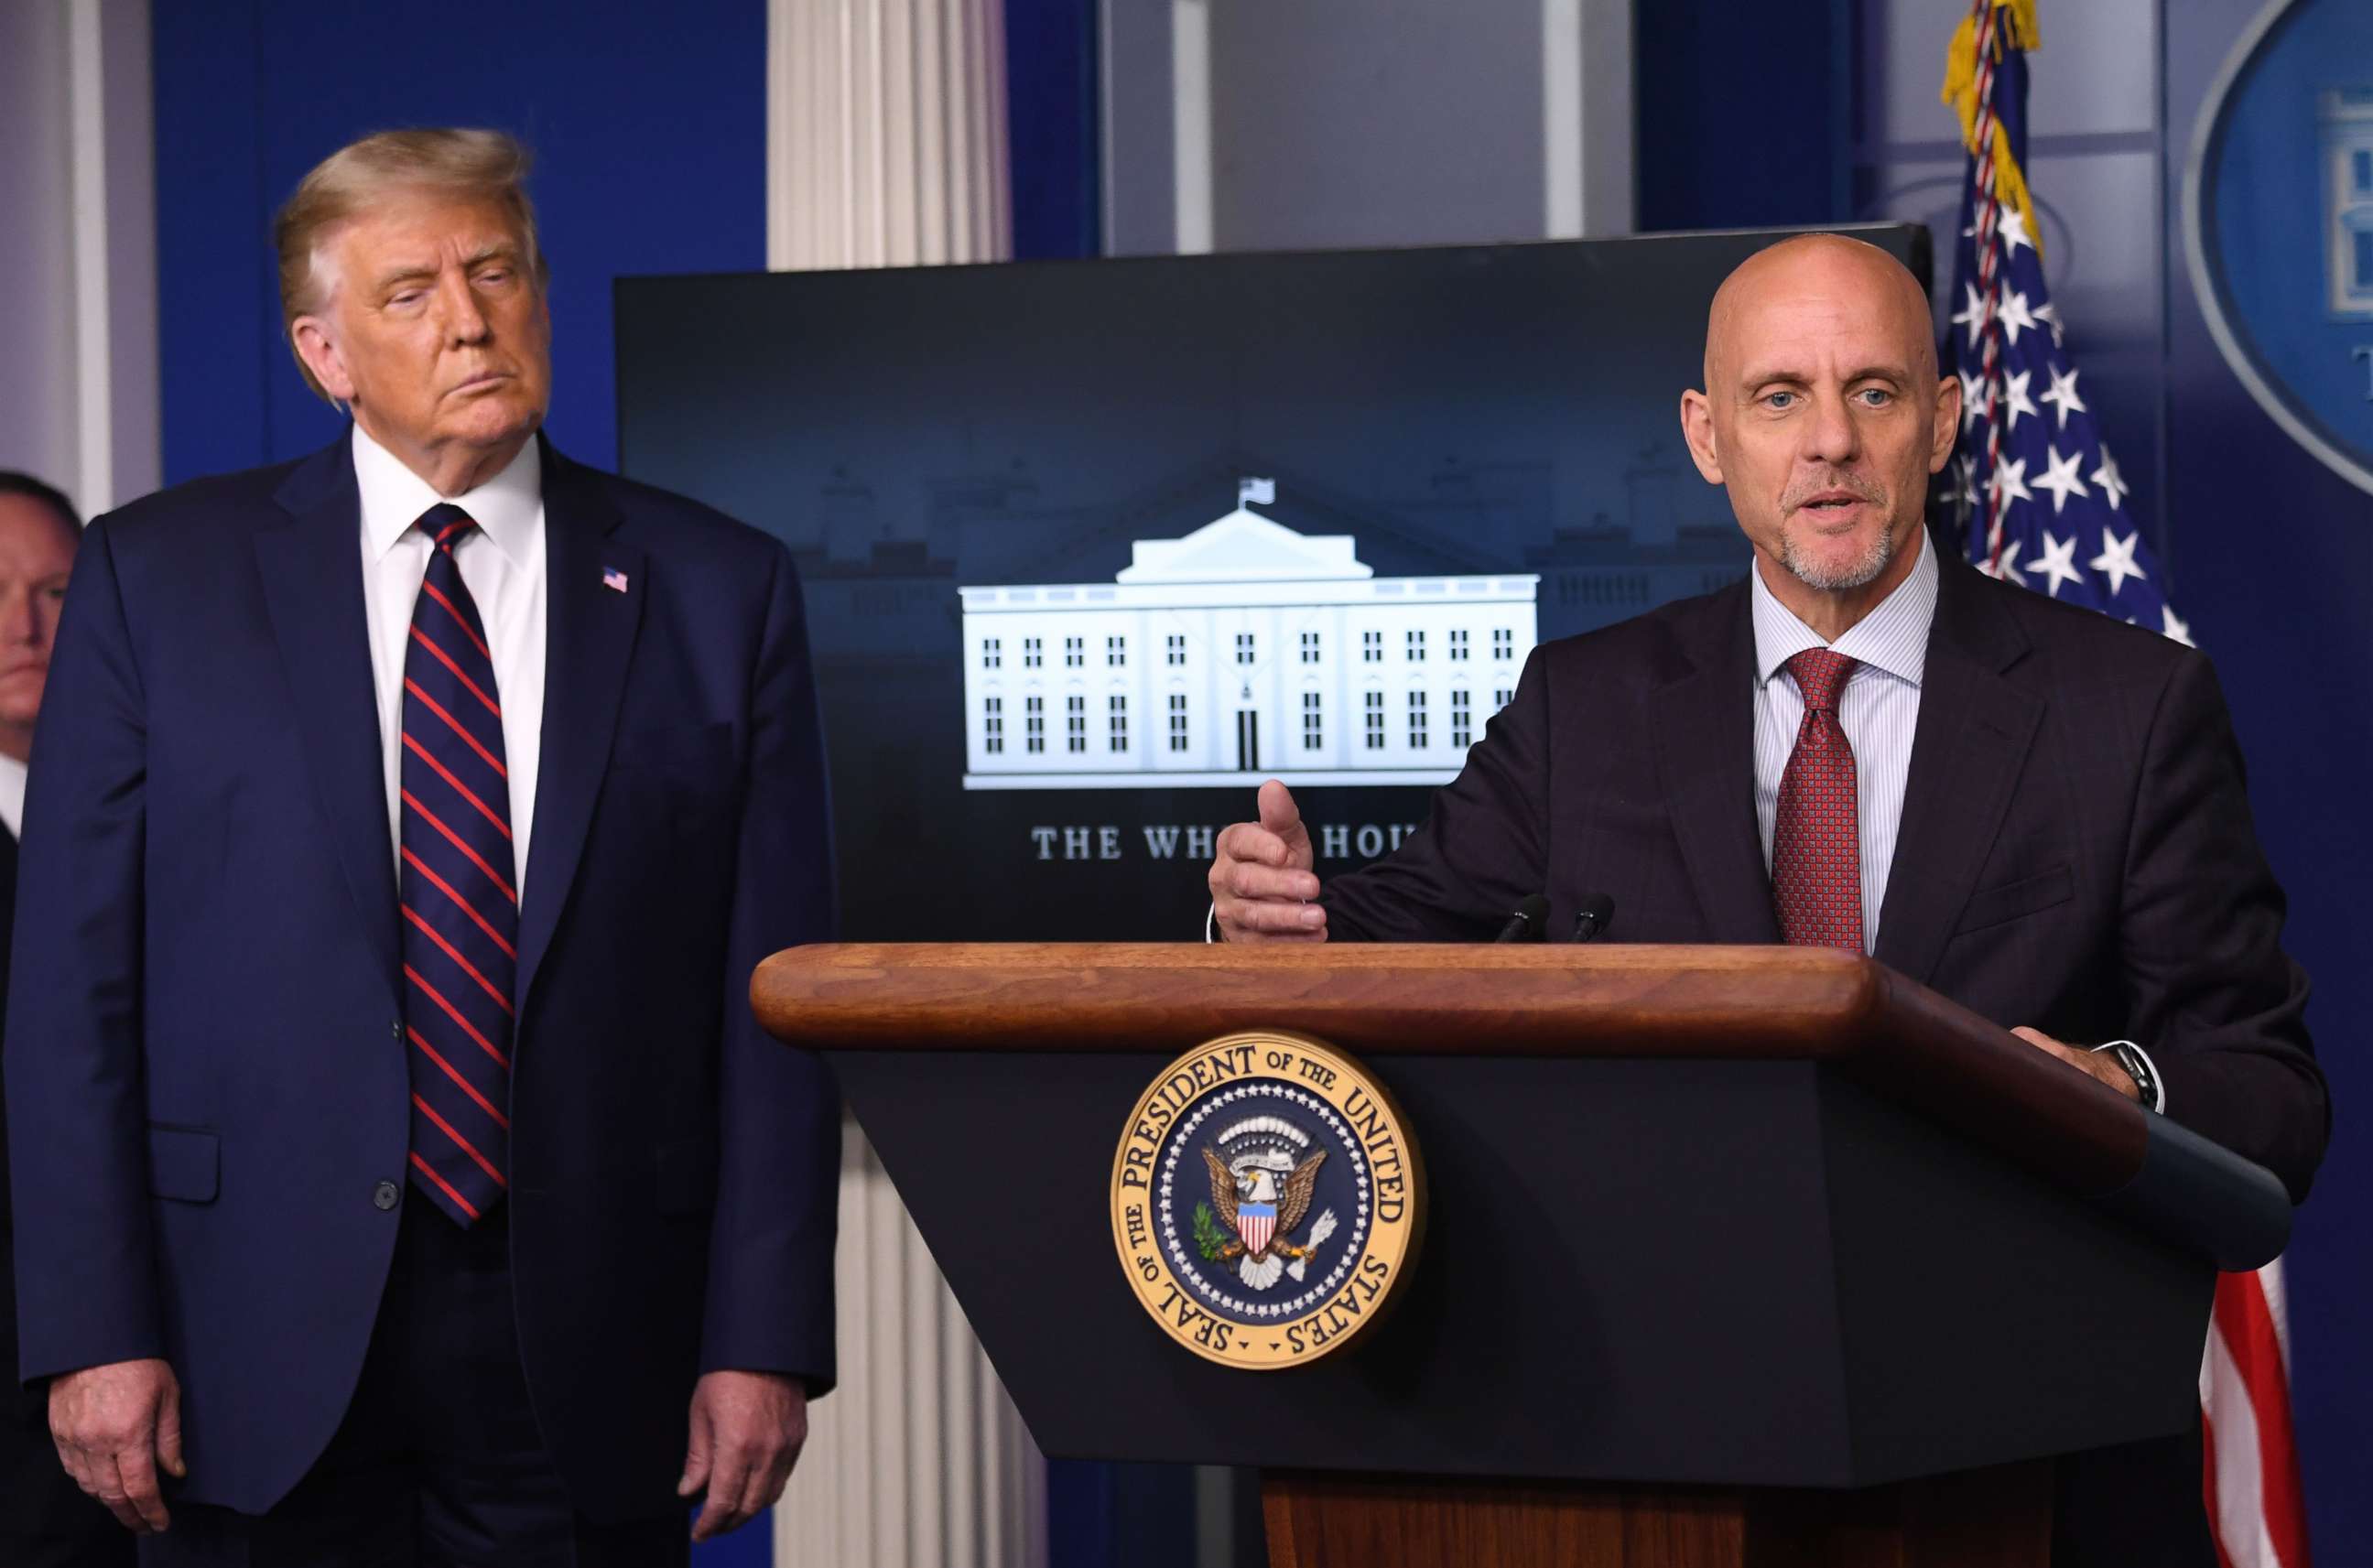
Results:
x,y
2042,504
2041,501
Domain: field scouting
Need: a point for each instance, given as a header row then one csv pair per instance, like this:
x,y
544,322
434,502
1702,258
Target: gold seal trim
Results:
x,y
1289,1098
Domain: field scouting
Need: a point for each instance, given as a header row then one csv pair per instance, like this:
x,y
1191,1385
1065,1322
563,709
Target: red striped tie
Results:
x,y
461,911
1816,836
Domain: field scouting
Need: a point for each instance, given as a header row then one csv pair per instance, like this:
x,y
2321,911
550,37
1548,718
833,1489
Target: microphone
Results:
x,y
1598,912
1530,921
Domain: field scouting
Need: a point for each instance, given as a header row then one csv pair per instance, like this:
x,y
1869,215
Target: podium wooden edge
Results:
x,y
1715,1002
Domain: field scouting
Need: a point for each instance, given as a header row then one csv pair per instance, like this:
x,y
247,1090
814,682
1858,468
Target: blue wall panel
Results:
x,y
649,124
1052,129
2277,561
1743,114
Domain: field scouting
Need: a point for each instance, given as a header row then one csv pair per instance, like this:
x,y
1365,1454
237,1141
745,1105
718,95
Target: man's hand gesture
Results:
x,y
1261,882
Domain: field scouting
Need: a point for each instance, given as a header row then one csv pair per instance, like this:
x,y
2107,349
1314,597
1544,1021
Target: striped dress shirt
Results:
x,y
1879,710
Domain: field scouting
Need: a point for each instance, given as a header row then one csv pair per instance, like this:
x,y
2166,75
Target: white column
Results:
x,y
79,247
885,133
919,1459
1587,154
1190,127
886,147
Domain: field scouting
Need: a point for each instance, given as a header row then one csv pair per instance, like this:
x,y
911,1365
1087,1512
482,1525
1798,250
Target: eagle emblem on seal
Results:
x,y
1262,1183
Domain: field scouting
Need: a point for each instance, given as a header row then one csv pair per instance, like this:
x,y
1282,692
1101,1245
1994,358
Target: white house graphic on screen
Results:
x,y
1244,647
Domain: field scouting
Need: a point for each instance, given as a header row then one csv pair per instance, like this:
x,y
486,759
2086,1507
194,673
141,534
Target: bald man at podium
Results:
x,y
2029,807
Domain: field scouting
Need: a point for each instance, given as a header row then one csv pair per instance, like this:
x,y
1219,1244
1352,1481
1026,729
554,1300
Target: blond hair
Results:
x,y
469,164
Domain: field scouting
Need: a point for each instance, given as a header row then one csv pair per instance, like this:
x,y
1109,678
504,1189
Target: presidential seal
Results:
x,y
1267,1199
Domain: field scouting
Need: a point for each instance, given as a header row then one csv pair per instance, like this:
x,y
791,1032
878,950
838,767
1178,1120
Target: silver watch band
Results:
x,y
2158,1080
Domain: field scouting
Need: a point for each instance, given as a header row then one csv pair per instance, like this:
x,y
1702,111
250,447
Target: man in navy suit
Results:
x,y
400,1175
2027,806
44,1521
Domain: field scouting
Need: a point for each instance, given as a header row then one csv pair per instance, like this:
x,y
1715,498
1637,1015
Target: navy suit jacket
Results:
x,y
206,1077
2075,851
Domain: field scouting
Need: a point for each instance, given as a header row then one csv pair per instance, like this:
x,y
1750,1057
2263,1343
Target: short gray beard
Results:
x,y
1858,573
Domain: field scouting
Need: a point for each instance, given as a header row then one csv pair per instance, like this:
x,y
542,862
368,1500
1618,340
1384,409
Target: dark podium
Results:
x,y
1735,1256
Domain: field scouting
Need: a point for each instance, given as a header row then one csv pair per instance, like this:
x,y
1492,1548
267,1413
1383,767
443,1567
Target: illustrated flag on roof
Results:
x,y
2043,504
2042,499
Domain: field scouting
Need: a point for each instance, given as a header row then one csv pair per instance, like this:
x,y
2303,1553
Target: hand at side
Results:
x,y
747,1428
116,1427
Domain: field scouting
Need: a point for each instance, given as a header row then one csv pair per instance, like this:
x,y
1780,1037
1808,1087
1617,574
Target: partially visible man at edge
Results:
x,y
400,1173
2031,808
45,1521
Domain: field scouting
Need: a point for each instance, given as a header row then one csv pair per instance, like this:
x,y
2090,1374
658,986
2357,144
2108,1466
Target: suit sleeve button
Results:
x,y
387,1195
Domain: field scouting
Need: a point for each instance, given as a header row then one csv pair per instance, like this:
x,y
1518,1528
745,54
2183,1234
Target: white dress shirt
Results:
x,y
12,796
1879,709
502,566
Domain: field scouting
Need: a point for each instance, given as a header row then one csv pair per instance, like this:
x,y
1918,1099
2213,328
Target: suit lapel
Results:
x,y
591,638
311,569
1704,725
1971,742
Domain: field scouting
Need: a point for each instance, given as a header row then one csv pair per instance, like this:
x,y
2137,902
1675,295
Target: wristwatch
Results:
x,y
2137,1063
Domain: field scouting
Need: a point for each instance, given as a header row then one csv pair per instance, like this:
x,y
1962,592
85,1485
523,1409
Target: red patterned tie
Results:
x,y
461,912
1815,838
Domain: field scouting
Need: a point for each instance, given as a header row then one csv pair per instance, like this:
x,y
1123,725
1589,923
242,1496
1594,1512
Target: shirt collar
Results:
x,y
507,507
12,796
1893,636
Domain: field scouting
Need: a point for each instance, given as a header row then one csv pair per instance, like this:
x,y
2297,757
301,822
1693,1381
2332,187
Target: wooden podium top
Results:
x,y
1764,1003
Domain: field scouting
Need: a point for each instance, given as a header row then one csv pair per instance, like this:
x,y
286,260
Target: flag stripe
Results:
x,y
2246,1333
2235,1460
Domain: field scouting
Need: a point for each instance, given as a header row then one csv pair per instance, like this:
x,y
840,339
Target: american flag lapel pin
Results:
x,y
613,579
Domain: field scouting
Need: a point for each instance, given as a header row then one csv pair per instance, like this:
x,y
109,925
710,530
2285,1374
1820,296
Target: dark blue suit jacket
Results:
x,y
207,1080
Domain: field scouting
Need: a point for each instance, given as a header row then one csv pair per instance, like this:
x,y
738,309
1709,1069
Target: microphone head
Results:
x,y
1593,913
1534,910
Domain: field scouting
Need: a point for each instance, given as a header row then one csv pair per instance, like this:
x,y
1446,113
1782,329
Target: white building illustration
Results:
x,y
2347,119
1244,647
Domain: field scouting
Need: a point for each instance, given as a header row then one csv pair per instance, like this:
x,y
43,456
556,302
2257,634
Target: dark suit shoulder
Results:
x,y
2080,645
194,513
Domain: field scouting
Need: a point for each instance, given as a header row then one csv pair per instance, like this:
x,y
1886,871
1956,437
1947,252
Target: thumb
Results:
x,y
696,1453
168,1430
1277,812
